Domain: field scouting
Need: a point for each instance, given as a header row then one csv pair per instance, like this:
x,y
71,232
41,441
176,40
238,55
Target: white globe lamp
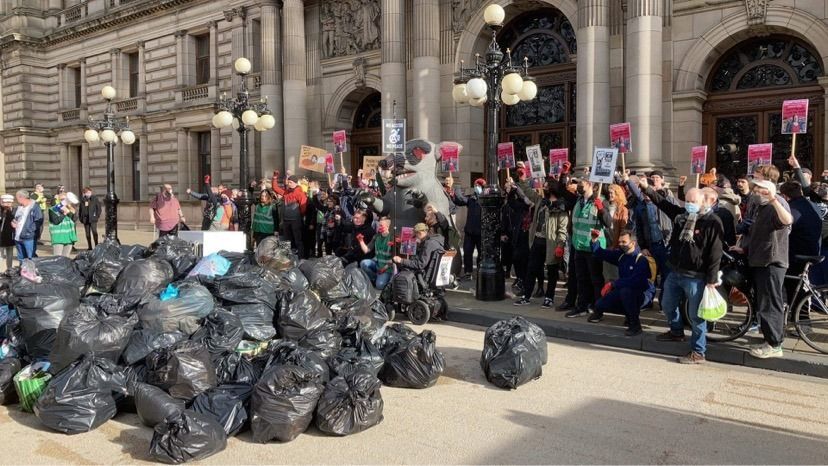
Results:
x,y
242,65
108,92
512,83
509,99
108,135
459,93
494,15
476,88
478,102
223,119
250,117
91,136
529,90
268,121
128,137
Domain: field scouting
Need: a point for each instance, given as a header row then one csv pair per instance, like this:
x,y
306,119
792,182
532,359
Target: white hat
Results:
x,y
6,198
765,184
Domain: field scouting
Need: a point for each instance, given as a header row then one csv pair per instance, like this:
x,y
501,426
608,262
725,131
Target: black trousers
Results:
x,y
162,233
534,267
470,242
292,231
626,301
206,223
590,279
571,280
770,302
91,230
520,254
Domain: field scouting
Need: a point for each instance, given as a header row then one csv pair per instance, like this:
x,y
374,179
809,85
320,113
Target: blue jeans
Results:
x,y
25,249
371,269
677,288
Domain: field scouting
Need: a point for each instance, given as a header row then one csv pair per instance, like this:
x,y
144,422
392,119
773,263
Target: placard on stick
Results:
x,y
621,137
505,155
340,141
698,158
795,116
758,155
408,244
329,163
312,158
450,157
557,158
393,135
603,165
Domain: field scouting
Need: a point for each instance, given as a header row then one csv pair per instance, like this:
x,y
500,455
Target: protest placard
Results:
x,y
557,158
370,165
312,158
450,157
393,135
329,163
621,137
535,158
698,160
603,165
795,116
505,155
340,140
408,244
758,155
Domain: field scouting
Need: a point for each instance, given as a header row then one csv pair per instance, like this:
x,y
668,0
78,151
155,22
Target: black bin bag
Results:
x,y
59,269
287,352
188,436
415,363
283,403
182,313
227,404
361,355
184,370
80,397
222,331
90,330
143,342
514,352
310,323
178,252
154,405
143,276
8,368
275,255
234,368
350,404
41,307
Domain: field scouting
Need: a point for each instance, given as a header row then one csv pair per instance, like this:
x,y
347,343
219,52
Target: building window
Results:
x,y
136,171
202,58
76,86
133,73
203,154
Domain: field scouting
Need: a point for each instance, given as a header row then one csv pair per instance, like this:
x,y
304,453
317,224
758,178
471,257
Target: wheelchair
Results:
x,y
429,301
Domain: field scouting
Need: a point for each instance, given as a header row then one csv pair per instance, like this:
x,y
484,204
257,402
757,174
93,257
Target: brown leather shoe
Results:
x,y
692,358
668,336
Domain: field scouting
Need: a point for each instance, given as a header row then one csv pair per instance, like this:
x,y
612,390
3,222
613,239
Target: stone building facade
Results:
x,y
682,72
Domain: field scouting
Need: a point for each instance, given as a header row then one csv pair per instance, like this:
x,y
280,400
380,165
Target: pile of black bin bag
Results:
x,y
271,346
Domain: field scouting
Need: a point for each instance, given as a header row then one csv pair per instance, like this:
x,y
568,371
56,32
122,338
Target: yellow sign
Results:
x,y
371,162
312,158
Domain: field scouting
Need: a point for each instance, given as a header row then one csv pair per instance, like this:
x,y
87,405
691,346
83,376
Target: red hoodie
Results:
x,y
294,196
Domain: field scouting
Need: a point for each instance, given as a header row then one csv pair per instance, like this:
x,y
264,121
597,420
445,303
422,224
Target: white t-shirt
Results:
x,y
20,216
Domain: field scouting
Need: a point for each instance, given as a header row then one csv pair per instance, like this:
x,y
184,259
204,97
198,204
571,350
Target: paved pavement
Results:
x,y
592,405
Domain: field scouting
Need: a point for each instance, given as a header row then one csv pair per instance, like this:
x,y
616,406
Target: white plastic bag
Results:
x,y
713,307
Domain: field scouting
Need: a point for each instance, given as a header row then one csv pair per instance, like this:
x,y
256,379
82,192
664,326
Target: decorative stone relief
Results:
x,y
349,27
359,71
233,12
461,11
757,10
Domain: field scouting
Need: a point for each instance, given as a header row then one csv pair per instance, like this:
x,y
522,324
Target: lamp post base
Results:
x,y
111,221
491,284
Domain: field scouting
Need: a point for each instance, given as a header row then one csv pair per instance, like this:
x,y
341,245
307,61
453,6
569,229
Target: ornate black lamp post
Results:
x,y
492,83
109,130
241,113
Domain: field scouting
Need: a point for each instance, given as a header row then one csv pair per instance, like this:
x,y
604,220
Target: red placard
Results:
x,y
557,157
408,244
450,157
329,163
698,157
340,140
505,155
759,154
621,137
795,116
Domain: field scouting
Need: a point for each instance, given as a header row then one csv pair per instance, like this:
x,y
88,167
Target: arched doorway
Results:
x,y
546,37
366,130
745,93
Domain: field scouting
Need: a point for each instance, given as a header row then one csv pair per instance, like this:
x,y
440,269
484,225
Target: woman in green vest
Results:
x,y
62,224
265,217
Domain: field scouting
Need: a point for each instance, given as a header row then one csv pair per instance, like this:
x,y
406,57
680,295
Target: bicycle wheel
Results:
x,y
737,320
811,320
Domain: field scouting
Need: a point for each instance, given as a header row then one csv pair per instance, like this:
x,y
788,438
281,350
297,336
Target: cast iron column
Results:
x,y
111,200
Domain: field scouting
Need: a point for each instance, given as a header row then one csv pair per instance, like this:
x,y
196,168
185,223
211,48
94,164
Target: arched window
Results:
x,y
766,62
369,112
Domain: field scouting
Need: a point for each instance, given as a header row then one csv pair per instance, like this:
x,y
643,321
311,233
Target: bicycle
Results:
x,y
810,310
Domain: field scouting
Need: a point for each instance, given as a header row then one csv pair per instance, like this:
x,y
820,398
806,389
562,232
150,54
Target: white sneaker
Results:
x,y
766,351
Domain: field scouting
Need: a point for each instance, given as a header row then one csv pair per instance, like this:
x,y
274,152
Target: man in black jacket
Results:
x,y
211,198
90,211
427,244
471,232
356,229
695,254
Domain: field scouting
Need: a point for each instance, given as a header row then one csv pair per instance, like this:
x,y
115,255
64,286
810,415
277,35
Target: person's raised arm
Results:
x,y
669,209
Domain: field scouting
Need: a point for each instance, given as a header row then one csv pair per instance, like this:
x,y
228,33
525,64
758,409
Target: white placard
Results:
x,y
603,165
215,241
444,269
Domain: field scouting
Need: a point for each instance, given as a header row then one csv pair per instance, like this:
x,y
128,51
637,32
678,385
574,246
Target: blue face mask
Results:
x,y
691,208
478,190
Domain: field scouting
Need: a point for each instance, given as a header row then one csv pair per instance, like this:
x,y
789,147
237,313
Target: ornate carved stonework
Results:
x,y
359,71
757,10
349,27
233,12
461,11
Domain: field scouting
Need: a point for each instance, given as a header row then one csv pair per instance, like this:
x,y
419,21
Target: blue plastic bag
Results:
x,y
169,293
210,266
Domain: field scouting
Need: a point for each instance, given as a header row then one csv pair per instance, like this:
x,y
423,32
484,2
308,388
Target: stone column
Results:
x,y
392,69
142,70
83,88
426,70
66,170
143,166
273,141
592,127
643,76
215,156
295,81
183,160
181,62
688,111
236,17
115,74
213,28
61,76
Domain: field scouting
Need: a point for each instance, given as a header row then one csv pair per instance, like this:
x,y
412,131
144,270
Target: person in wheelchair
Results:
x,y
427,244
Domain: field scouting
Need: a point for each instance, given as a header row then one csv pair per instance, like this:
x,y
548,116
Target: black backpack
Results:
x,y
404,287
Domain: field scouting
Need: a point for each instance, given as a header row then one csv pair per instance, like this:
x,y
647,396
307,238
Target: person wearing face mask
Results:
x,y
89,213
586,217
295,203
378,268
471,232
767,253
357,229
626,293
695,254
165,212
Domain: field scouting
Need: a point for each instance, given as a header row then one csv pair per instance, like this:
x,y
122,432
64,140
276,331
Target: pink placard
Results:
x,y
329,163
698,157
621,137
450,157
795,116
759,154
408,245
505,155
340,140
557,157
